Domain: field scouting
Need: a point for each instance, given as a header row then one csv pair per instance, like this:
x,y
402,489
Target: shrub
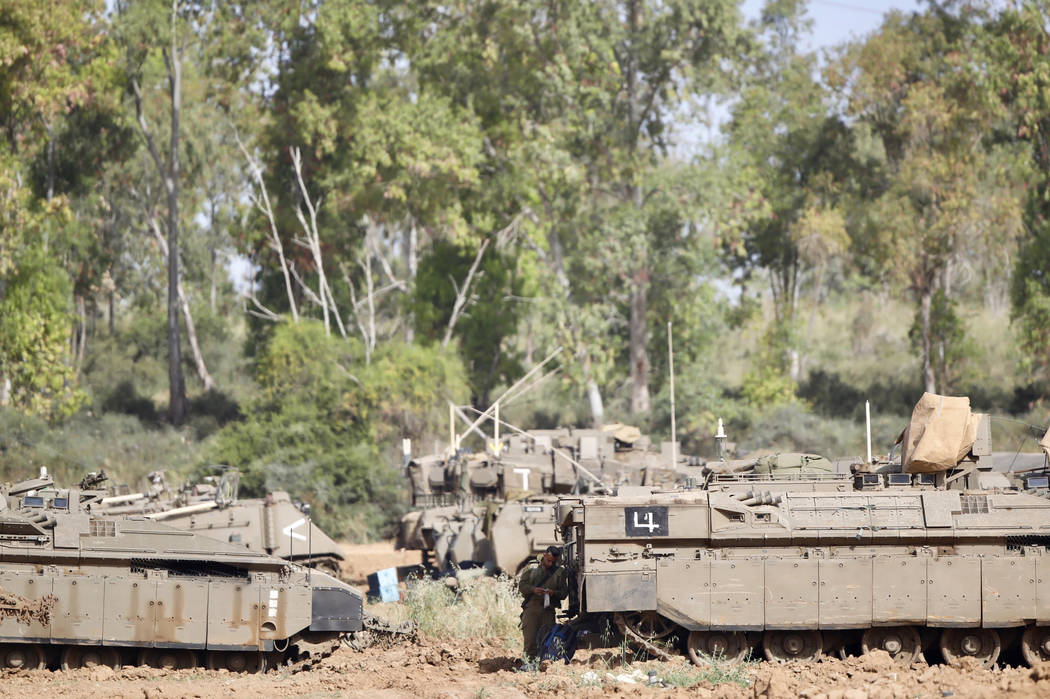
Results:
x,y
479,607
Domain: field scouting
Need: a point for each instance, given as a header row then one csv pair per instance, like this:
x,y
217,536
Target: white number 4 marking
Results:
x,y
647,524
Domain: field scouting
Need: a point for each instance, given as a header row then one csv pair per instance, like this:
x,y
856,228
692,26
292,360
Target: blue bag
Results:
x,y
557,642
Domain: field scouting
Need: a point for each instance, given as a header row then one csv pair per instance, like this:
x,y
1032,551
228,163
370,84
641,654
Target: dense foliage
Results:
x,y
283,236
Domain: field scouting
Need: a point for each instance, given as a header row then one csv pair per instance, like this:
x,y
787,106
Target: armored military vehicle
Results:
x,y
78,590
496,509
274,524
928,548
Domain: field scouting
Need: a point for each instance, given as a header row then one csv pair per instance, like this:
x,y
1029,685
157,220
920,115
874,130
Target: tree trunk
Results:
x,y
639,349
80,333
410,243
187,314
177,404
594,397
594,394
925,301
191,334
214,266
214,255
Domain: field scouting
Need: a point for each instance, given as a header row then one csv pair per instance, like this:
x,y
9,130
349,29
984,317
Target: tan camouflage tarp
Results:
x,y
628,434
940,435
1045,443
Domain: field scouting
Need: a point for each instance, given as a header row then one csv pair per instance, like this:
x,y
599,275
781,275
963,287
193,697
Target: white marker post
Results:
x,y
867,423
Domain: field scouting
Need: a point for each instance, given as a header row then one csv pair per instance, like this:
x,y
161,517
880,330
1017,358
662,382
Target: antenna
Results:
x,y
495,431
720,441
867,424
517,384
309,543
670,364
451,430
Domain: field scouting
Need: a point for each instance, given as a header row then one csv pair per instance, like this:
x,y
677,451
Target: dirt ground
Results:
x,y
476,669
364,559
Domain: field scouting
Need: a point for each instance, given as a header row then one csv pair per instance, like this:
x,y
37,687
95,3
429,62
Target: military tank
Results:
x,y
273,524
899,556
78,590
496,509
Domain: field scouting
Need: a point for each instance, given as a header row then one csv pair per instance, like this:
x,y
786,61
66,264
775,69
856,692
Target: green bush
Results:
x,y
118,444
324,423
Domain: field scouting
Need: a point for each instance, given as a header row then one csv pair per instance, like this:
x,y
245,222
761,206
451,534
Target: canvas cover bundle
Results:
x,y
1045,443
941,433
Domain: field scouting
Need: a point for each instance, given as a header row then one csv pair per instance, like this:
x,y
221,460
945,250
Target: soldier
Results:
x,y
543,585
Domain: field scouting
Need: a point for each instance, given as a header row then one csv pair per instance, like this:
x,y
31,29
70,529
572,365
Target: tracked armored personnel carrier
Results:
x,y
928,551
496,509
77,590
274,524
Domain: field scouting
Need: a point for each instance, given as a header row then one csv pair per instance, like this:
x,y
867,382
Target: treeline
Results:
x,y
291,232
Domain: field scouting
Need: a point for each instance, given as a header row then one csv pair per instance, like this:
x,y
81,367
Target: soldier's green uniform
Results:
x,y
533,615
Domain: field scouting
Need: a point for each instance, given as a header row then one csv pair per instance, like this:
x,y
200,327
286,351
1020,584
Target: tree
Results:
x,y
916,90
784,132
169,48
661,54
576,103
1018,48
48,68
483,333
385,160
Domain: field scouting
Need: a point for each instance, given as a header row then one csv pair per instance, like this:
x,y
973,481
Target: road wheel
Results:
x,y
730,646
649,625
168,658
901,642
74,657
1035,644
237,661
787,646
982,644
21,657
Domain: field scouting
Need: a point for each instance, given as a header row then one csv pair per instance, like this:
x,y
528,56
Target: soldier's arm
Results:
x,y
526,583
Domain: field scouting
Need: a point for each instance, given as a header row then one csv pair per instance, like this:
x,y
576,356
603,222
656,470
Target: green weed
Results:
x,y
479,607
714,671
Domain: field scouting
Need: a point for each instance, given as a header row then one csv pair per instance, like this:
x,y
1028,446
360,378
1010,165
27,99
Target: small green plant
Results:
x,y
714,671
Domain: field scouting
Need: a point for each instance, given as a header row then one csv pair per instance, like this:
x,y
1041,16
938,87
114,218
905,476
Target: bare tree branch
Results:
x,y
461,294
267,209
370,300
311,295
357,316
314,238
